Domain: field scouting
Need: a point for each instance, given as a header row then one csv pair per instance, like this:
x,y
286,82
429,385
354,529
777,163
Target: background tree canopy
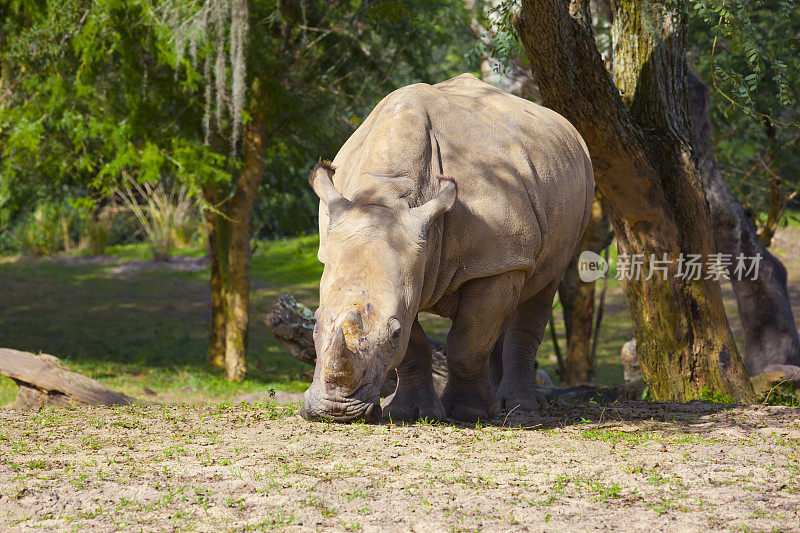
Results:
x,y
94,88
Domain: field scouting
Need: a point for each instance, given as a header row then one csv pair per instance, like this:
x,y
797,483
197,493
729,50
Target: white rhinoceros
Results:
x,y
461,200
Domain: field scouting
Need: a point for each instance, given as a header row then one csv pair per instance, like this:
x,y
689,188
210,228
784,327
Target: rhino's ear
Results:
x,y
321,182
439,204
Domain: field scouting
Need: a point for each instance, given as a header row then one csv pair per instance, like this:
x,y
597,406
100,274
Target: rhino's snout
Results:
x,y
349,365
343,366
320,407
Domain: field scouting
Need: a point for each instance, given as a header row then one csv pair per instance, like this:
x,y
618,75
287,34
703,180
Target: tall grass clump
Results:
x,y
97,230
164,213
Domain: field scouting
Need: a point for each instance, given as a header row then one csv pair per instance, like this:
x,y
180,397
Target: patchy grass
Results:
x,y
147,329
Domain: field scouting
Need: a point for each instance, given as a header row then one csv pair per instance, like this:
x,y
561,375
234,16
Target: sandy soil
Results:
x,y
628,466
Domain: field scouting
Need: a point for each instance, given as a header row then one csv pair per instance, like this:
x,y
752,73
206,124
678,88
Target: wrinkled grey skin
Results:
x,y
485,246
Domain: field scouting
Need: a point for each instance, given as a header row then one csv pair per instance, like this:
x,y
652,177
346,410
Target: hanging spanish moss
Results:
x,y
218,30
238,36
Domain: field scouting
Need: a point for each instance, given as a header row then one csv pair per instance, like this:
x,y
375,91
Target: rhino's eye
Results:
x,y
395,331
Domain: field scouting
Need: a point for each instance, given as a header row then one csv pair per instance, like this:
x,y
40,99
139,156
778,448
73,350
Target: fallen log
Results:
x,y
773,376
292,323
43,381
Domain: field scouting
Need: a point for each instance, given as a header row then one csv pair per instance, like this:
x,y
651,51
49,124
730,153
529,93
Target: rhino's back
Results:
x,y
523,174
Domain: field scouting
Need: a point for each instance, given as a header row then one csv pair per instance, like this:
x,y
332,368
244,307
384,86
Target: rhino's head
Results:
x,y
374,258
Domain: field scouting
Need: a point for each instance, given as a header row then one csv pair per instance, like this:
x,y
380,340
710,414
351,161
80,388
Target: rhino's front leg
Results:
x,y
484,307
415,397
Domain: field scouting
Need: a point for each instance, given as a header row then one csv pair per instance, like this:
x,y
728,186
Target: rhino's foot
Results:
x,y
468,404
408,405
520,396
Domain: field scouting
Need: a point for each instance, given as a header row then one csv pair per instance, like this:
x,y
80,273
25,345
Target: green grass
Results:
x,y
148,329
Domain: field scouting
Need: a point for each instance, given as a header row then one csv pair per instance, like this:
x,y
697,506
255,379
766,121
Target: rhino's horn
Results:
x,y
353,318
340,364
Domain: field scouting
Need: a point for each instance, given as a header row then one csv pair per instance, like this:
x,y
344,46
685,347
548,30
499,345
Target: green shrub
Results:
x,y
124,229
709,395
45,230
190,232
783,393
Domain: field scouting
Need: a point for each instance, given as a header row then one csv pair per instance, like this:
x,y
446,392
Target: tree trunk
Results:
x,y
770,332
228,224
217,231
577,300
6,74
237,289
638,141
777,202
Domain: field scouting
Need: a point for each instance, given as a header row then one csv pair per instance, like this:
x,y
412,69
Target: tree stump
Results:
x,y
292,323
630,362
43,381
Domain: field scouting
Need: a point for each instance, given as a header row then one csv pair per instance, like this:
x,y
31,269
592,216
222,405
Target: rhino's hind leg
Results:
x,y
484,307
415,397
523,335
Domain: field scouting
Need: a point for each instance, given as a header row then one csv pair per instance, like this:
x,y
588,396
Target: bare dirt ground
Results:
x,y
625,466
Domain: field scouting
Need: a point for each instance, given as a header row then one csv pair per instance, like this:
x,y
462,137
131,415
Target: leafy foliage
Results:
x,y
757,81
750,144
100,88
497,39
88,95
782,394
44,230
749,52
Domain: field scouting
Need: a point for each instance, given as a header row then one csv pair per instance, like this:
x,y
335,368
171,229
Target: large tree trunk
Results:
x,y
578,301
770,332
639,143
237,289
